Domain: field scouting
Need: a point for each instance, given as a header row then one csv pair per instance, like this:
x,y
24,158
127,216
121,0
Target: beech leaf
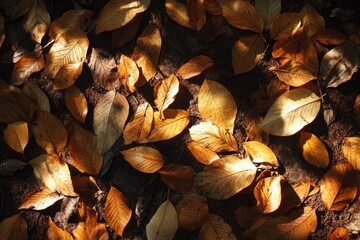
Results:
x,y
351,150
144,159
194,66
178,12
76,103
16,135
91,228
37,21
313,150
178,177
285,25
196,13
41,200
128,73
201,153
216,228
253,132
356,108
338,233
35,93
54,232
260,153
2,29
268,10
67,75
312,21
14,227
165,91
268,194
30,63
329,36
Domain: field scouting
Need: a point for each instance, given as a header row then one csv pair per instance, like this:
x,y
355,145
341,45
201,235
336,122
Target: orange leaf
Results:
x,y
216,228
37,21
30,63
202,154
285,25
91,228
196,13
329,36
253,132
14,227
76,103
351,150
178,12
268,194
338,233
165,92
312,21
194,66
67,75
260,153
54,232
41,200
128,73
16,135
144,159
178,177
313,150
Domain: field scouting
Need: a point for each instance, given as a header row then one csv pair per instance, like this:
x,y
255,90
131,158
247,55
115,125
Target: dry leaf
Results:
x,y
214,138
37,21
175,122
116,14
356,108
194,66
91,228
268,194
289,197
242,14
2,29
139,126
214,27
196,13
247,52
338,187
302,189
268,9
103,69
164,223
338,233
144,159
264,174
202,154
216,228
253,132
30,63
67,75
76,103
128,73
165,91
217,105
9,166
110,115
35,93
178,177
291,112
12,10
312,21
56,233
16,135
329,36
193,211
260,153
117,212
178,12
14,227
41,200
212,7
147,51
126,33
313,150
314,189
285,25
351,150
86,187
54,173
225,177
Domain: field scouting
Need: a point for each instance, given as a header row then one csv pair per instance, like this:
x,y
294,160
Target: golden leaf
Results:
x,y
144,159
56,233
196,13
351,150
285,25
16,135
35,93
216,228
30,63
253,132
178,12
37,21
14,227
67,75
117,212
268,9
76,103
260,153
313,150
194,66
312,21
128,73
165,91
338,233
91,228
268,194
2,29
178,177
202,154
41,200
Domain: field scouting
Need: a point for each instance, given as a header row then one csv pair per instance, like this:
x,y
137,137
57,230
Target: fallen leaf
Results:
x,y
260,153
196,13
126,33
193,211
49,132
139,126
351,151
246,216
268,194
12,10
217,105
216,228
35,93
268,10
37,21
302,189
91,228
313,150
225,177
178,177
338,187
253,132
2,29
144,159
291,112
9,166
76,103
312,21
165,92
128,73
356,108
247,52
164,223
110,115
249,189
338,233
116,14
175,122
212,7
86,187
41,200
30,63
214,138
285,25
55,233
214,27
314,189
54,173
117,212
202,154
242,14
289,197
67,75
16,135
178,12
194,66
14,227
329,36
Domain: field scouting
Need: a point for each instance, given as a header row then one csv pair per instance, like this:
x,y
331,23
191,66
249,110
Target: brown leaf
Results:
x,y
35,93
312,21
216,228
128,73
103,69
268,194
9,166
285,25
260,153
196,13
178,12
253,132
2,29
338,187
313,150
246,216
12,10
14,227
126,33
30,63
264,174
16,135
268,10
144,159
202,154
338,233
86,187
91,228
329,36
165,92
56,233
41,200
178,177
351,150
76,103
356,108
117,212
37,21
214,27
212,7
194,66
67,75
49,133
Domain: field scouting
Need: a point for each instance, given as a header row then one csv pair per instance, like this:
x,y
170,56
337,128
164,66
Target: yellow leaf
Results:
x,y
242,14
178,12
285,25
49,133
216,228
144,159
14,227
225,177
194,66
41,200
117,212
139,126
217,105
291,112
253,132
54,173
16,135
312,21
67,75
260,153
268,194
313,150
164,223
338,233
202,154
56,233
175,122
35,93
165,91
351,150
338,187
116,14
76,103
2,29
128,73
214,138
37,21
30,63
70,47
268,9
178,177
110,115
247,52
91,228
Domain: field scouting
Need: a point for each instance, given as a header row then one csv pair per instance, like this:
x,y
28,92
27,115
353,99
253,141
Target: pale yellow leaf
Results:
x,y
216,228
178,177
41,200
30,63
56,233
312,21
35,93
37,21
253,132
202,154
178,12
268,9
260,153
76,103
165,91
128,72
194,66
268,194
16,135
144,159
67,75
285,25
14,227
313,150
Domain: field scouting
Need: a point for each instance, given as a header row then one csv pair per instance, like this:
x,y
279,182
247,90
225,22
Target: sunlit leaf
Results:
x,y
178,12
76,103
216,228
16,135
253,132
164,223
329,36
91,228
313,150
178,177
128,73
67,75
338,233
14,227
260,153
268,194
2,29
30,63
144,159
285,25
37,21
165,91
9,166
41,200
225,177
351,150
268,9
196,13
194,66
291,112
35,93
55,233
312,21
202,154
